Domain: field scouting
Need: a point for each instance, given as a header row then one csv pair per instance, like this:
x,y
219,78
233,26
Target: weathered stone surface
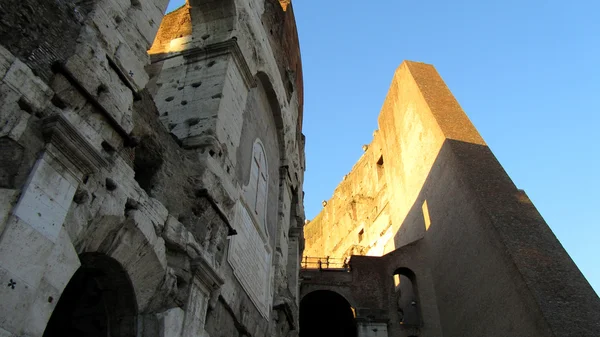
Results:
x,y
432,205
137,174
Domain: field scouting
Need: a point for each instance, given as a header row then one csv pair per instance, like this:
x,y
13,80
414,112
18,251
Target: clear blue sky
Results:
x,y
526,72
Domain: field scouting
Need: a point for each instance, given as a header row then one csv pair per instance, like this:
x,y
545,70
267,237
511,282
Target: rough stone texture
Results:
x,y
482,259
126,171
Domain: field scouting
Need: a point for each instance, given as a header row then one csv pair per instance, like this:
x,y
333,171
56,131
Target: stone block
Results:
x,y
104,27
144,225
175,234
96,76
6,59
62,263
142,19
46,200
157,213
132,65
13,120
44,301
170,322
21,79
24,252
16,296
117,6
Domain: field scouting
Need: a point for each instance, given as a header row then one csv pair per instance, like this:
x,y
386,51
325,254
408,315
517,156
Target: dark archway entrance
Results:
x,y
99,301
325,313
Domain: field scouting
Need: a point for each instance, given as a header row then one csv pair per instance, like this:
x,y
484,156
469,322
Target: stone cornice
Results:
x,y
70,147
206,274
217,49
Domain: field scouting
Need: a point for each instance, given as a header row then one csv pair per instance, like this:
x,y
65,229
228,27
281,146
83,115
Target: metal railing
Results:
x,y
327,262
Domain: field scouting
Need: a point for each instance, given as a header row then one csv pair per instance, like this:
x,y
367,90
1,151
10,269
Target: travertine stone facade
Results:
x,y
430,204
150,173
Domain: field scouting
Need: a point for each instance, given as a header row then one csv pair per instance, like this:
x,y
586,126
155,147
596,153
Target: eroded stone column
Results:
x,y
205,281
37,257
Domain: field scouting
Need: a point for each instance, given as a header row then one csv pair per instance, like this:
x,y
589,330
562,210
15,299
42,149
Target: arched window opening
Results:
x,y
258,182
98,301
325,313
407,299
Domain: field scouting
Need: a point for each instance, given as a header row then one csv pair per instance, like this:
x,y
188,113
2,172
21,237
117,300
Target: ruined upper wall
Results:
x,y
355,221
494,262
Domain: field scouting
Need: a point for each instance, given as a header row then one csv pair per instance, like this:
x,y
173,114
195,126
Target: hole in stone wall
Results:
x,y
183,102
108,148
58,102
211,63
169,99
101,89
192,121
24,105
136,4
147,162
361,235
11,156
196,84
380,171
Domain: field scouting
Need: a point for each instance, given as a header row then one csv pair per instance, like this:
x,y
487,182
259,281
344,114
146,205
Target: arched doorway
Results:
x,y
326,313
98,301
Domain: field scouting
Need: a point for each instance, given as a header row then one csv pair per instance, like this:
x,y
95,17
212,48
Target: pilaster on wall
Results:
x,y
36,254
202,93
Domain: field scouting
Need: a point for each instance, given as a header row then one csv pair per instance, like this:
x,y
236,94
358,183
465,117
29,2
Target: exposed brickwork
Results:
x,y
42,32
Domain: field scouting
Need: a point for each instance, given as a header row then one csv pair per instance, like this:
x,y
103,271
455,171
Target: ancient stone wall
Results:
x,y
131,170
490,263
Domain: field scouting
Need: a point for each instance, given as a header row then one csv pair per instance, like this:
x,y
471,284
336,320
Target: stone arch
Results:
x,y
345,292
406,297
212,21
275,110
326,313
99,300
133,243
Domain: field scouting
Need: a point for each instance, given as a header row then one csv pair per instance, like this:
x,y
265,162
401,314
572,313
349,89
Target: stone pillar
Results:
x,y
201,94
37,258
293,265
205,281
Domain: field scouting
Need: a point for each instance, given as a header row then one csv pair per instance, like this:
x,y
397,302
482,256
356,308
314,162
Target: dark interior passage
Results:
x,y
98,301
326,313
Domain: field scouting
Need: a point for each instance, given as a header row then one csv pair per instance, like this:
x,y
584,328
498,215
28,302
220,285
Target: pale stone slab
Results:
x,y
171,322
33,89
24,251
372,330
41,309
46,200
62,263
131,64
251,260
14,301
